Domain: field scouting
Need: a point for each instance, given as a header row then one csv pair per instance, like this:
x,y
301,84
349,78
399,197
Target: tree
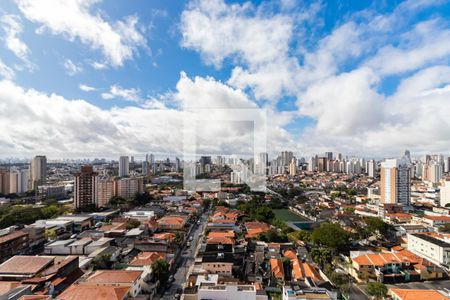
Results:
x,y
50,234
50,211
272,236
133,223
116,201
301,235
340,280
178,238
102,262
264,213
377,290
160,270
330,235
322,256
377,226
206,203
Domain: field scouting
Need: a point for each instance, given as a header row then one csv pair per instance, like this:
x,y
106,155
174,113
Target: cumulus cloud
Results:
x,y
5,71
74,127
337,79
116,91
12,26
71,67
86,88
75,19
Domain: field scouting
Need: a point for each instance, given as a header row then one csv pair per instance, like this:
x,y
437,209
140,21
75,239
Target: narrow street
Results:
x,y
186,259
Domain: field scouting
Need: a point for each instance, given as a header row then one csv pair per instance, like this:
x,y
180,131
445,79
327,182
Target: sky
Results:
x,y
92,78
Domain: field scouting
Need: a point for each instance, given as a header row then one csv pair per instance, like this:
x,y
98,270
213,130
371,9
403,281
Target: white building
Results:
x,y
229,291
395,181
124,166
445,192
431,248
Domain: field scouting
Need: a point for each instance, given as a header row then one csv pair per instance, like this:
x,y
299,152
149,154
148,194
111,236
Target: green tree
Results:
x,y
330,235
272,236
264,213
322,256
301,235
377,290
178,238
116,201
102,262
160,270
133,223
50,234
50,211
340,280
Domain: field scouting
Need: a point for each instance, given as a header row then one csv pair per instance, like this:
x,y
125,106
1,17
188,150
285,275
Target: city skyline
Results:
x,y
369,79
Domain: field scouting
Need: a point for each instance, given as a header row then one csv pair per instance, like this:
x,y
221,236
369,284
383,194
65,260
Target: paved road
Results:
x,y
186,259
356,293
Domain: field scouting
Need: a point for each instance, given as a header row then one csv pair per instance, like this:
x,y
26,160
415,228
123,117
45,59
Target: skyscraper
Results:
x,y
38,171
395,181
85,188
124,166
371,168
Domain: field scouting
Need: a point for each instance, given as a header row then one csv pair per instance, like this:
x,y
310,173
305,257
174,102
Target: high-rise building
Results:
x,y
128,187
395,181
434,172
145,168
293,167
322,164
286,158
124,166
5,182
371,168
106,189
38,171
329,155
177,164
18,181
85,188
447,165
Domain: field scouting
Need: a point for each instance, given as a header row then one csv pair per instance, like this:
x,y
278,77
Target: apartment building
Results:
x,y
429,247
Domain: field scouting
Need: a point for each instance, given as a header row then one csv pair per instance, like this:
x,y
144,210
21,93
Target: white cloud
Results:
x,y
71,67
75,19
99,66
116,91
257,42
13,28
74,127
427,43
5,71
86,88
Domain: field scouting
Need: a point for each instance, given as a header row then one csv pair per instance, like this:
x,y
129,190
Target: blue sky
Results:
x,y
103,78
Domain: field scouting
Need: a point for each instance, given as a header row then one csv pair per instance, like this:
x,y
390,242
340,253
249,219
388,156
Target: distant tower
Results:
x,y
38,171
124,166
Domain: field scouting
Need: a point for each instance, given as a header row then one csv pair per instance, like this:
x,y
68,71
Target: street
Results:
x,y
186,259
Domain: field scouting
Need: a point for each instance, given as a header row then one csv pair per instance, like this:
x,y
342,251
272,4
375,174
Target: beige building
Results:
x,y
445,192
128,187
38,171
106,188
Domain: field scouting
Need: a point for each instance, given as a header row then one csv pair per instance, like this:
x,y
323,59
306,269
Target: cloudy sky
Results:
x,y
92,78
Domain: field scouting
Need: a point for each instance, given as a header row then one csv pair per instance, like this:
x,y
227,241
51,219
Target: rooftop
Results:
x,y
413,294
114,276
94,291
29,265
